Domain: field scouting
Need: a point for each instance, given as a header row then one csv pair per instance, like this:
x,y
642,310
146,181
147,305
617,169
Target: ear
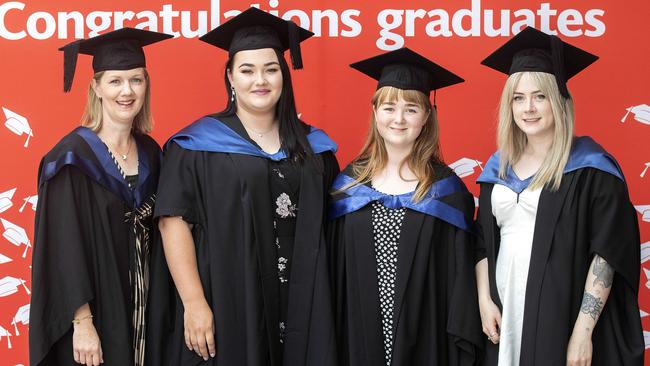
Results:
x,y
229,73
96,88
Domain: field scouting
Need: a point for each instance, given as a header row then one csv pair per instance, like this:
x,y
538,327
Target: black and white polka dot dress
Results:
x,y
386,227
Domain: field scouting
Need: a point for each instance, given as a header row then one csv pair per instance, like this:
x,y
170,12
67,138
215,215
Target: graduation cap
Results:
x,y
117,50
465,166
9,286
5,333
32,200
5,199
644,210
16,235
17,124
4,259
22,316
255,29
407,70
534,50
645,252
641,114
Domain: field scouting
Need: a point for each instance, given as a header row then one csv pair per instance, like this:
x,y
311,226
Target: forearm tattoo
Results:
x,y
591,305
603,271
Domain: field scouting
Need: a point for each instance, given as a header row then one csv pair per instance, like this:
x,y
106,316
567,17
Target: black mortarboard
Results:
x,y
407,70
254,29
534,50
117,50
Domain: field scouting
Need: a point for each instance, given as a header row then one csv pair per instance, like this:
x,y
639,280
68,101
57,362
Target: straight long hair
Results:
x,y
293,139
93,114
512,141
426,149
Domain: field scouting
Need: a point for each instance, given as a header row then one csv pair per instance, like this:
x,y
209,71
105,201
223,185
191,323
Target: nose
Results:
x,y
260,79
399,117
531,104
127,89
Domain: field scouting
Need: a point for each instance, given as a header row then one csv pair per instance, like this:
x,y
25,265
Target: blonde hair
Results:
x,y
92,116
426,149
512,141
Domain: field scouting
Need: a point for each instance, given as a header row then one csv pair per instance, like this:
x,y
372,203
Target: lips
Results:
x,y
125,103
531,119
261,92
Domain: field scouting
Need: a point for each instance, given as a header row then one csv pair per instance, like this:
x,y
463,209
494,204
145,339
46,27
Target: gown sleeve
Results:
x,y
177,184
614,235
464,322
61,273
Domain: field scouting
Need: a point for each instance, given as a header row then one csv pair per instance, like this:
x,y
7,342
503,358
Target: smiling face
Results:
x,y
399,122
531,109
122,93
257,79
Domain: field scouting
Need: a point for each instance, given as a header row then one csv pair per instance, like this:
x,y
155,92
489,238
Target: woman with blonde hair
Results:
x,y
558,269
401,243
96,190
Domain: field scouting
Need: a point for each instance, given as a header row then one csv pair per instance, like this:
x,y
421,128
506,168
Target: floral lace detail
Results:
x,y
282,266
284,206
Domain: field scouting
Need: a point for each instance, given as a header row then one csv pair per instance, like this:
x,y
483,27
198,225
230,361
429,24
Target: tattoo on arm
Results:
x,y
603,271
591,305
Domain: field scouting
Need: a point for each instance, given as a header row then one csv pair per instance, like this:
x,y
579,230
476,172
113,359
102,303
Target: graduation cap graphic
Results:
x,y
9,286
32,200
643,313
4,259
645,252
647,276
647,165
644,210
22,316
646,337
16,235
5,199
17,124
465,167
5,333
641,114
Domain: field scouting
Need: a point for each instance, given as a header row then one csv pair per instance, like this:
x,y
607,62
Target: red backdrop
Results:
x,y
187,82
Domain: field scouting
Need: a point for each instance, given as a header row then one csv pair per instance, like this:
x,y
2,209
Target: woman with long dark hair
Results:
x,y
241,213
402,239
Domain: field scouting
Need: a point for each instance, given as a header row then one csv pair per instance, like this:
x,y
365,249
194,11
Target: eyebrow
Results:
x,y
533,92
265,65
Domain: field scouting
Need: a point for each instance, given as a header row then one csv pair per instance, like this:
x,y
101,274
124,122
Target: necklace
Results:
x,y
258,133
128,150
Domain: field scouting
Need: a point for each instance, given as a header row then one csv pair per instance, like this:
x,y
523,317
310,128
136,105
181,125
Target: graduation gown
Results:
x,y
590,214
436,318
216,178
84,246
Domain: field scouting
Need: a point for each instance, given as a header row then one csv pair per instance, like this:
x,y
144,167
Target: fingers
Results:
x,y
209,337
76,356
188,342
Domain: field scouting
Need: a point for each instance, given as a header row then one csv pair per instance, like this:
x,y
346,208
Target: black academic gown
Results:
x,y
590,214
226,197
83,247
436,313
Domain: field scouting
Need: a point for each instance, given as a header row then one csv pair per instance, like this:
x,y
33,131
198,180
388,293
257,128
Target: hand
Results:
x,y
86,347
199,329
580,349
490,319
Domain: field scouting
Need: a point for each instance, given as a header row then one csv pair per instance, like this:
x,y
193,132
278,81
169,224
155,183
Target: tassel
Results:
x,y
294,45
70,53
557,55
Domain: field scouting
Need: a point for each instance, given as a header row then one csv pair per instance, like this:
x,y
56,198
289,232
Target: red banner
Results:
x,y
187,83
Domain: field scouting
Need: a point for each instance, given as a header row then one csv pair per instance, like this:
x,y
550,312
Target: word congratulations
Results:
x,y
17,22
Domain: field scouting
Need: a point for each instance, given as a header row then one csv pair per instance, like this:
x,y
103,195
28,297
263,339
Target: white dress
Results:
x,y
515,216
